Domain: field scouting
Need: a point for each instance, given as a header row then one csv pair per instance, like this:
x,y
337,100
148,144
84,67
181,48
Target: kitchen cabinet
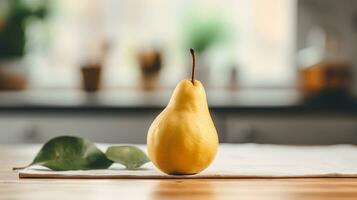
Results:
x,y
123,116
291,129
124,128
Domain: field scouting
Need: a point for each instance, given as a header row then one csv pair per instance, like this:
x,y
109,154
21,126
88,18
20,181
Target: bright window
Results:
x,y
258,39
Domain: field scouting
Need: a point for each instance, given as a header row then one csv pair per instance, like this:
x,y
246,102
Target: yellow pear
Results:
x,y
183,139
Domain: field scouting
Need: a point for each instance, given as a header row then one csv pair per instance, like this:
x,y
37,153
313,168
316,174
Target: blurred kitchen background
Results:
x,y
275,71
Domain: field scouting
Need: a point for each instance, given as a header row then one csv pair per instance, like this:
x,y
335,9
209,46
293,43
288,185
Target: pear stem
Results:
x,y
193,65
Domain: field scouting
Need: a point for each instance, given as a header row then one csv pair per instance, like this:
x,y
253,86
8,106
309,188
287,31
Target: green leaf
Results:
x,y
71,153
130,156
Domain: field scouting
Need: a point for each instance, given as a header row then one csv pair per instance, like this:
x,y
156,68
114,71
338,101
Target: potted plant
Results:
x,y
13,16
150,62
201,34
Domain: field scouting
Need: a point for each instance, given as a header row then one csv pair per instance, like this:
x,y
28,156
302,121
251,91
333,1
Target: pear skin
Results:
x,y
183,140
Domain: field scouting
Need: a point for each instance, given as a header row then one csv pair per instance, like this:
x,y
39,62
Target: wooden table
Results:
x,y
11,187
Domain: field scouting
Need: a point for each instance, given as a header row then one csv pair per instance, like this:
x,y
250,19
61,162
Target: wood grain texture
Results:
x,y
303,188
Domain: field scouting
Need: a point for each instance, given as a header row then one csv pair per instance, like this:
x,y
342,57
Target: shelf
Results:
x,y
132,100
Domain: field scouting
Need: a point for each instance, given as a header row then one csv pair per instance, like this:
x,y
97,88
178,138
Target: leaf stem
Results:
x,y
18,168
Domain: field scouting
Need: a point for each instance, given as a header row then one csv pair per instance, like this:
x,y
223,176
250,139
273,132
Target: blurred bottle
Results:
x,y
330,77
233,79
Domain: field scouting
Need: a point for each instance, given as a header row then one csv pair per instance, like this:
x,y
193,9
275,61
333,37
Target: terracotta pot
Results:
x,y
91,76
12,81
12,75
150,65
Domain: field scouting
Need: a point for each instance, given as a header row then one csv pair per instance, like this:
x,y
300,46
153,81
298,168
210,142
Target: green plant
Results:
x,y
200,33
12,26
